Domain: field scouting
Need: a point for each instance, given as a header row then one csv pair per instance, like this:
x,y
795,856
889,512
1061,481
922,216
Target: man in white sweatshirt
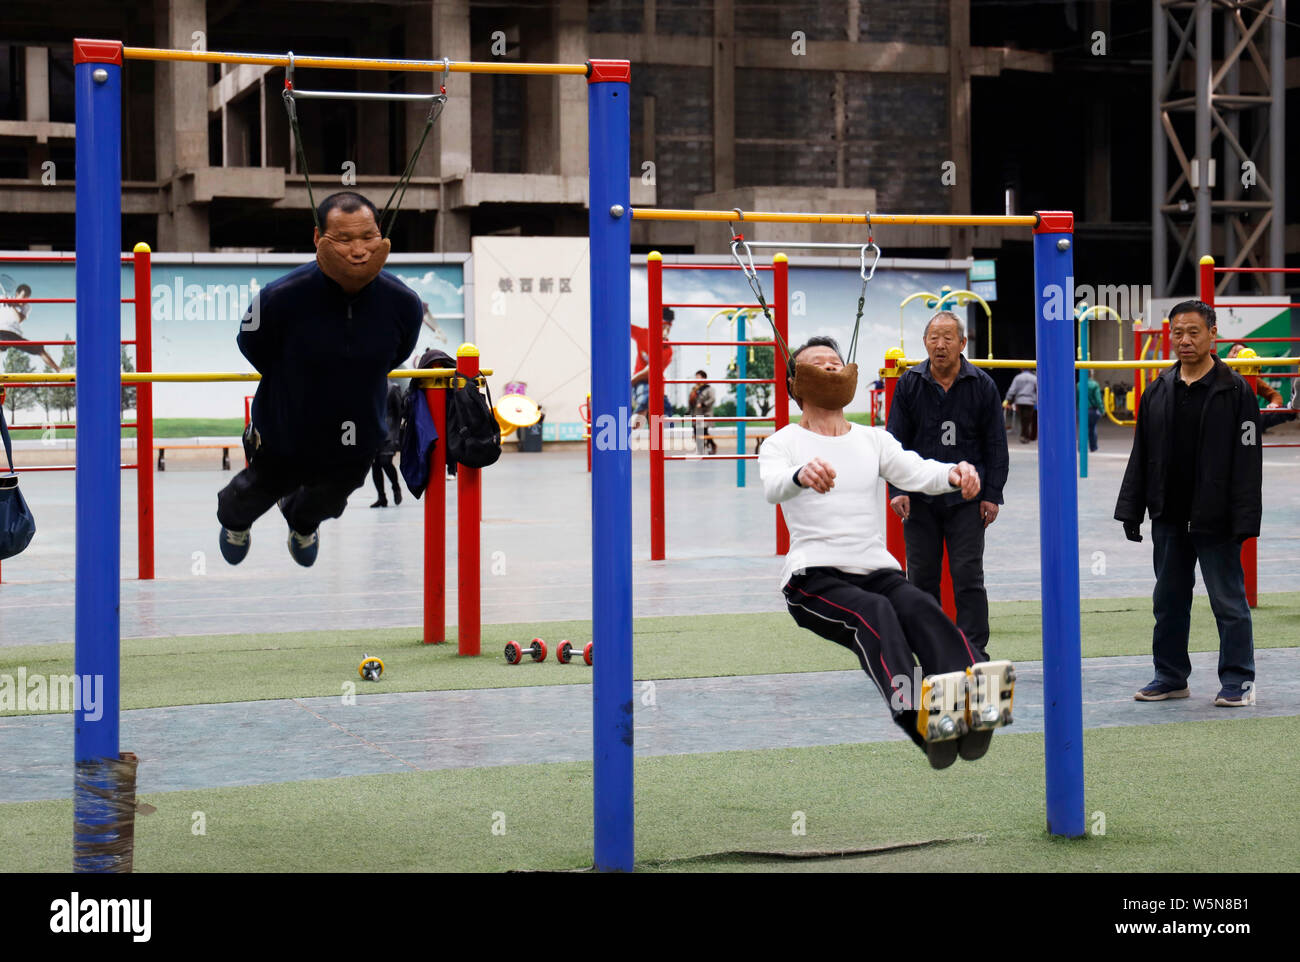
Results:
x,y
839,579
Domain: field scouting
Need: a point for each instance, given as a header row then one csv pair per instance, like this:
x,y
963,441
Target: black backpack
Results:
x,y
473,434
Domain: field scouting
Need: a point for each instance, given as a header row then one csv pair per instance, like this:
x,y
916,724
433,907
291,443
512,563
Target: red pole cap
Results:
x,y
1054,222
97,51
609,71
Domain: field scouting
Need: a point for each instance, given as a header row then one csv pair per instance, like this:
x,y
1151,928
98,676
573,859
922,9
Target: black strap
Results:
x,y
9,451
389,214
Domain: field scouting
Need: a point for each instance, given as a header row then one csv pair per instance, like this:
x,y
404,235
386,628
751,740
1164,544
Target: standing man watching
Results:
x,y
946,409
1197,468
323,337
1023,394
701,406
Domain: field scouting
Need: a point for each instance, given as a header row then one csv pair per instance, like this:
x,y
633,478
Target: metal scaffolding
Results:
x,y
1230,107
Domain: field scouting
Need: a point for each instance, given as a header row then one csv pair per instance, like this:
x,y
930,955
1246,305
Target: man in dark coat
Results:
x,y
946,409
1197,469
324,338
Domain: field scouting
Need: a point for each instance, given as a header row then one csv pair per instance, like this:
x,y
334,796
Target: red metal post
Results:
x,y
1249,548
893,523
435,523
781,297
469,511
248,417
655,343
947,597
144,410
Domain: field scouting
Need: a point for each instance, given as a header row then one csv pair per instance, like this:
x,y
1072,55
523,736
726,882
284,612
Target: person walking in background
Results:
x,y
1197,469
383,464
946,409
1096,408
1023,394
641,375
701,406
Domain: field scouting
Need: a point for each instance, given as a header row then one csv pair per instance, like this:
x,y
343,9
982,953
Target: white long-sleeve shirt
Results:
x,y
845,527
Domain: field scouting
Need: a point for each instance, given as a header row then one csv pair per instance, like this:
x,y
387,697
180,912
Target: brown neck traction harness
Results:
x,y
351,277
830,390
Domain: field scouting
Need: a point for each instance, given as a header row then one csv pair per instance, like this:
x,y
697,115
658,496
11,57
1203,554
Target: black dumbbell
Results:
x,y
515,652
567,651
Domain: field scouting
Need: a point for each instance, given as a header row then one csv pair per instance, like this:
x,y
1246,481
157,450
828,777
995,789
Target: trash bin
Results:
x,y
530,438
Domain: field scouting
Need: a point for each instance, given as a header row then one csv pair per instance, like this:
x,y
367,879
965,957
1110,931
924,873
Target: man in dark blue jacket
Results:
x,y
946,409
1197,468
324,338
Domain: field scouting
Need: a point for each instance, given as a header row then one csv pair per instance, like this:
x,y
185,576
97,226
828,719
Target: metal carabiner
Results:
x,y
862,261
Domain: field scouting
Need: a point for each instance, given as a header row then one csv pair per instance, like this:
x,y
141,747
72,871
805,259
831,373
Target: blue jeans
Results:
x,y
1176,554
1093,417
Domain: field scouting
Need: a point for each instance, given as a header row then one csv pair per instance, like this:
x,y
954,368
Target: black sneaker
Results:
x,y
975,744
303,547
397,494
380,504
234,544
942,754
1235,696
1159,691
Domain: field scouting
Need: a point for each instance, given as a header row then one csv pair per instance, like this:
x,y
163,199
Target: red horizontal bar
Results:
x,y
1253,340
712,267
51,300
47,343
60,426
710,417
1218,304
730,343
66,467
52,259
710,457
754,306
732,380
1280,445
1257,270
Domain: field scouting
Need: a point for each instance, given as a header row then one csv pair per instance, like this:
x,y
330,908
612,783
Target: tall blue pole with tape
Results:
x,y
1082,400
608,148
1059,522
98,80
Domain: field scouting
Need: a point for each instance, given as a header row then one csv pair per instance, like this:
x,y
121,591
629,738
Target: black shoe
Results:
x,y
974,744
942,754
381,503
234,544
397,495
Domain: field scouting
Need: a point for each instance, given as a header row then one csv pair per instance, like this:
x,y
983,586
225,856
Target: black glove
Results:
x,y
1132,531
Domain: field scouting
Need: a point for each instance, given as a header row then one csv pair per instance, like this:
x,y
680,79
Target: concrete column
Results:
x,y
181,123
449,148
959,119
570,95
1097,193
724,95
37,69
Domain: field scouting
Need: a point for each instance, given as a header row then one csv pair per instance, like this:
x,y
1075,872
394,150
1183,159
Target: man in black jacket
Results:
x,y
946,409
324,338
1197,468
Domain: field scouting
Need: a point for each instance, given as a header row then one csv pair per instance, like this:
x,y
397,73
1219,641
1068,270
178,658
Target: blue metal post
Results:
x,y
98,79
1059,523
611,463
741,409
1083,396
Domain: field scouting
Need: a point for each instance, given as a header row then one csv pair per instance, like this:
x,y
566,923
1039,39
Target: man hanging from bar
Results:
x,y
840,581
324,338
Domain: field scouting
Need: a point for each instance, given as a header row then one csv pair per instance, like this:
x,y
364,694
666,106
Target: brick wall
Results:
x,y
683,153
896,127
818,19
913,21
795,106
615,16
691,18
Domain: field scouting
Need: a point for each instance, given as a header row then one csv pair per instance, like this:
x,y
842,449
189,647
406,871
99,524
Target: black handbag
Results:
x,y
17,526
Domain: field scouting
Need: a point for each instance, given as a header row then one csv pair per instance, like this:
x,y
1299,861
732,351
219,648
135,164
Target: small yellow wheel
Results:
x,y
371,668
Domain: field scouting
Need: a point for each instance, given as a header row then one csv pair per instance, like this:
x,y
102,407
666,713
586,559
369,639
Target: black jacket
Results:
x,y
921,410
324,358
1227,476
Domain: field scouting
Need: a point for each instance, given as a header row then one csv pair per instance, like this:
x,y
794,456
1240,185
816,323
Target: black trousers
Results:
x,y
312,492
383,465
928,526
889,623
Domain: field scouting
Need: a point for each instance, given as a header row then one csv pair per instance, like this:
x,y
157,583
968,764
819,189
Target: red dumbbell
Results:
x,y
515,652
568,650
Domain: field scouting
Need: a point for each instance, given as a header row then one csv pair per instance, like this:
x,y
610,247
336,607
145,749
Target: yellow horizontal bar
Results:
x,y
1114,365
351,63
769,217
197,377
